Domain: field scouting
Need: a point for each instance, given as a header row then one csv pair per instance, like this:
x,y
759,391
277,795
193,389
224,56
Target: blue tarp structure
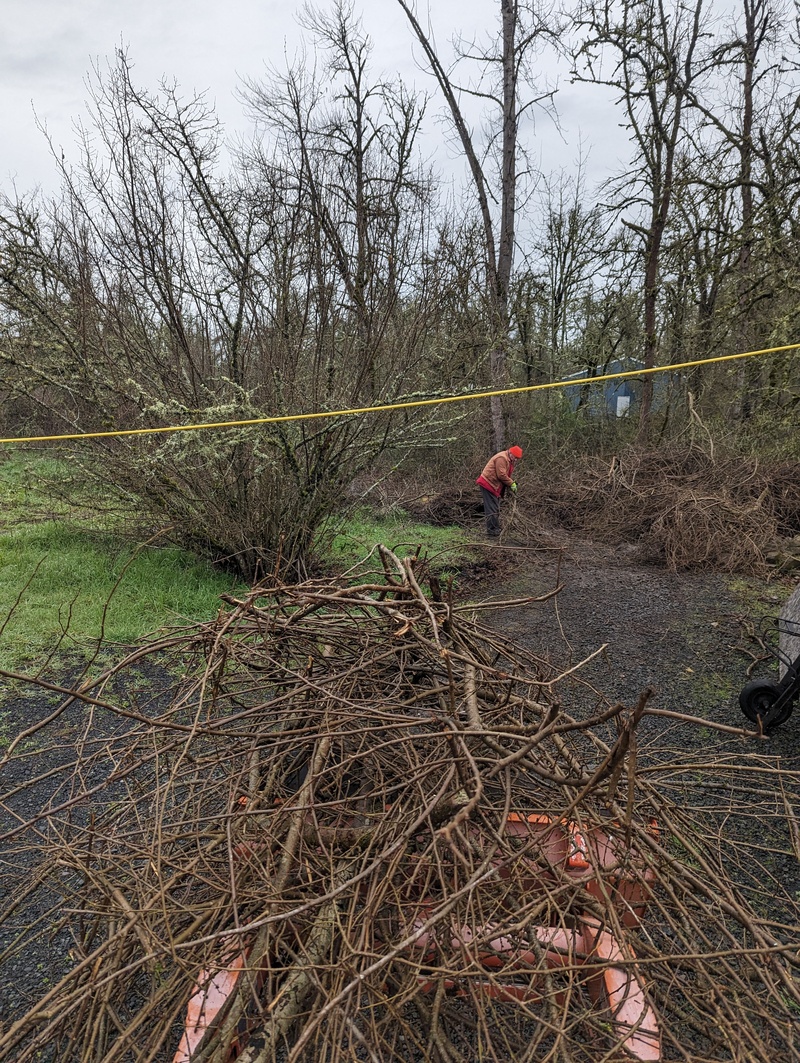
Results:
x,y
614,398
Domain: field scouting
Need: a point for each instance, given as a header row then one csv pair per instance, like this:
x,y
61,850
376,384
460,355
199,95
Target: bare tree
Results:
x,y
162,290
504,71
740,110
699,263
348,143
571,244
647,51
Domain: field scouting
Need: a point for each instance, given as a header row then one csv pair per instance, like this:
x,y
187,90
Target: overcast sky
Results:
x,y
47,47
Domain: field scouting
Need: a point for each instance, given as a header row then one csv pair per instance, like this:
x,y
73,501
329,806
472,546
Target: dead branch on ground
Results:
x,y
371,807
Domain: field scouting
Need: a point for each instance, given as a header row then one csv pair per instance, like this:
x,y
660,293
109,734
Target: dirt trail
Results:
x,y
681,633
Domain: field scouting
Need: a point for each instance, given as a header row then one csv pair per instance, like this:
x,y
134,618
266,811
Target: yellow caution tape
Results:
x,y
399,405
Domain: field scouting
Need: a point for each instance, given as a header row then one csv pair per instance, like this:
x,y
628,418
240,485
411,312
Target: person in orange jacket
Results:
x,y
496,478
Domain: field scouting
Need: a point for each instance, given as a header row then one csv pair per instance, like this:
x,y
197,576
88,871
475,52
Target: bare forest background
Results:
x,y
323,264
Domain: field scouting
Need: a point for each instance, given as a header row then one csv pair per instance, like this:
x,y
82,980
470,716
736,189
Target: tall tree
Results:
x,y
647,51
747,111
700,258
570,243
504,73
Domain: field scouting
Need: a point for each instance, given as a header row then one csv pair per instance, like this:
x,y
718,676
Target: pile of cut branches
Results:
x,y
446,505
681,506
358,825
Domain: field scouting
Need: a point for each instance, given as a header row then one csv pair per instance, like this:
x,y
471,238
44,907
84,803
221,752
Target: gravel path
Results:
x,y
681,633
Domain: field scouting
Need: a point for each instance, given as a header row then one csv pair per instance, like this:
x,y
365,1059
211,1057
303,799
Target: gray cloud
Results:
x,y
48,47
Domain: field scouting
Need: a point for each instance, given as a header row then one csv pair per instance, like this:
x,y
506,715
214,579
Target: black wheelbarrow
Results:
x,y
766,702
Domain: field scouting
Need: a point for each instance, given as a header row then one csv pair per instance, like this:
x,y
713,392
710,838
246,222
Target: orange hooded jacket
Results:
x,y
497,473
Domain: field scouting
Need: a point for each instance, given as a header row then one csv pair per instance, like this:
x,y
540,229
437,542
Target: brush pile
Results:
x,y
682,507
355,825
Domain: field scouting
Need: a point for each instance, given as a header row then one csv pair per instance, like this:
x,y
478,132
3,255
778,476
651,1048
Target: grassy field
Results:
x,y
70,577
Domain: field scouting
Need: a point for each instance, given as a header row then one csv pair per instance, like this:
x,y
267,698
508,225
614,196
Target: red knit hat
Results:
x,y
515,452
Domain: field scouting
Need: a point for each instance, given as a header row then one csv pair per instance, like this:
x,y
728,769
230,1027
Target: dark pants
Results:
x,y
491,511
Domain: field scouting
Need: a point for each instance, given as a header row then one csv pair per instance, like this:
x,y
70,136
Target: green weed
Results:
x,y
446,548
74,586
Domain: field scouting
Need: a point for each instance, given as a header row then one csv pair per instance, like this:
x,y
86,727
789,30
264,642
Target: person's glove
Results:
x,y
514,487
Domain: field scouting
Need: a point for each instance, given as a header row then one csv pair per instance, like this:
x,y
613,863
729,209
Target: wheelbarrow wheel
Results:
x,y
757,699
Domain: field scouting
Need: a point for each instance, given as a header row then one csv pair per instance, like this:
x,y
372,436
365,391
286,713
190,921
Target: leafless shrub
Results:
x,y
161,291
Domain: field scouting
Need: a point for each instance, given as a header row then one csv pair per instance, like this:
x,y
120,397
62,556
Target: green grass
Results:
x,y
65,576
445,548
56,579
68,579
26,489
